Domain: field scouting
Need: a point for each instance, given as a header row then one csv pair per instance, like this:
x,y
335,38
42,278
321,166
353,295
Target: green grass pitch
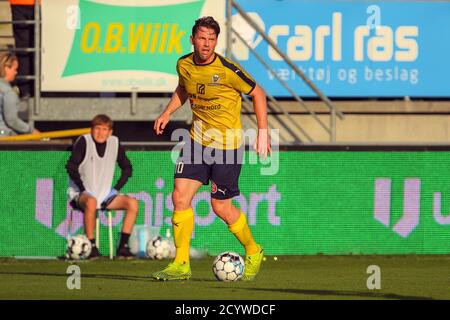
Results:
x,y
288,278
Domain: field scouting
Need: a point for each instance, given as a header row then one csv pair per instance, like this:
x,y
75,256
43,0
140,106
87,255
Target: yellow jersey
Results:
x,y
214,92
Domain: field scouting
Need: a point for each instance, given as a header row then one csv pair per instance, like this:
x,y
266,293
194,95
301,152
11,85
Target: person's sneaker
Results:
x,y
95,254
252,265
124,252
174,271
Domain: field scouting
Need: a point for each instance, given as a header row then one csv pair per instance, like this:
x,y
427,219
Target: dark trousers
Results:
x,y
24,38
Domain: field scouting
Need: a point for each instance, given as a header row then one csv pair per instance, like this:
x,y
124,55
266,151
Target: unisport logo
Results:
x,y
411,206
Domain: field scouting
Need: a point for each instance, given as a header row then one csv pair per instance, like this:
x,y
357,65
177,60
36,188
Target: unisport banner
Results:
x,y
311,203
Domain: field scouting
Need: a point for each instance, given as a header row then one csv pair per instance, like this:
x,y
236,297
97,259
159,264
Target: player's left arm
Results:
x,y
240,80
262,143
126,168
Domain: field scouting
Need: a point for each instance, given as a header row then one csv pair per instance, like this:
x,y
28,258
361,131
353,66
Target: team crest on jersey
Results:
x,y
216,79
213,187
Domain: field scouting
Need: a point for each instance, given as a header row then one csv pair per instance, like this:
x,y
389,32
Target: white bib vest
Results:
x,y
97,172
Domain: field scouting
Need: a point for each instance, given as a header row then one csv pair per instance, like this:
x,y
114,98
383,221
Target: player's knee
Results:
x,y
221,208
133,205
91,203
180,201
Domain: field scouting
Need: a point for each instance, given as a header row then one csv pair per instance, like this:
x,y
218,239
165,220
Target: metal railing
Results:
x,y
272,104
334,111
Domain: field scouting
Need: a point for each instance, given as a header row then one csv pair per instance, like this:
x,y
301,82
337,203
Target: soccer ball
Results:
x,y
228,266
157,248
78,247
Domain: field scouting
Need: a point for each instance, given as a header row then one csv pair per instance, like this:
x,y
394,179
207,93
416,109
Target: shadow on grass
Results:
x,y
84,275
338,293
103,276
341,293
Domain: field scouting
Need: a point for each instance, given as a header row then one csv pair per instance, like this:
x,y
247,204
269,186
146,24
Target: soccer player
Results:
x,y
91,169
213,85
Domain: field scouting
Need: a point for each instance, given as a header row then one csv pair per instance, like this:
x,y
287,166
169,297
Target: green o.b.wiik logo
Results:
x,y
149,38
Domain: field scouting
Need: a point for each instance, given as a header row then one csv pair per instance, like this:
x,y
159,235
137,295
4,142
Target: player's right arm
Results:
x,y
179,97
77,156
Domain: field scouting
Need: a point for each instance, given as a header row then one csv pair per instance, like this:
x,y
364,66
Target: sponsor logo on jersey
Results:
x,y
200,88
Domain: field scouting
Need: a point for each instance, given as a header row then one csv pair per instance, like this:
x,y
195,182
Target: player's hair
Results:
x,y
207,22
102,119
6,60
